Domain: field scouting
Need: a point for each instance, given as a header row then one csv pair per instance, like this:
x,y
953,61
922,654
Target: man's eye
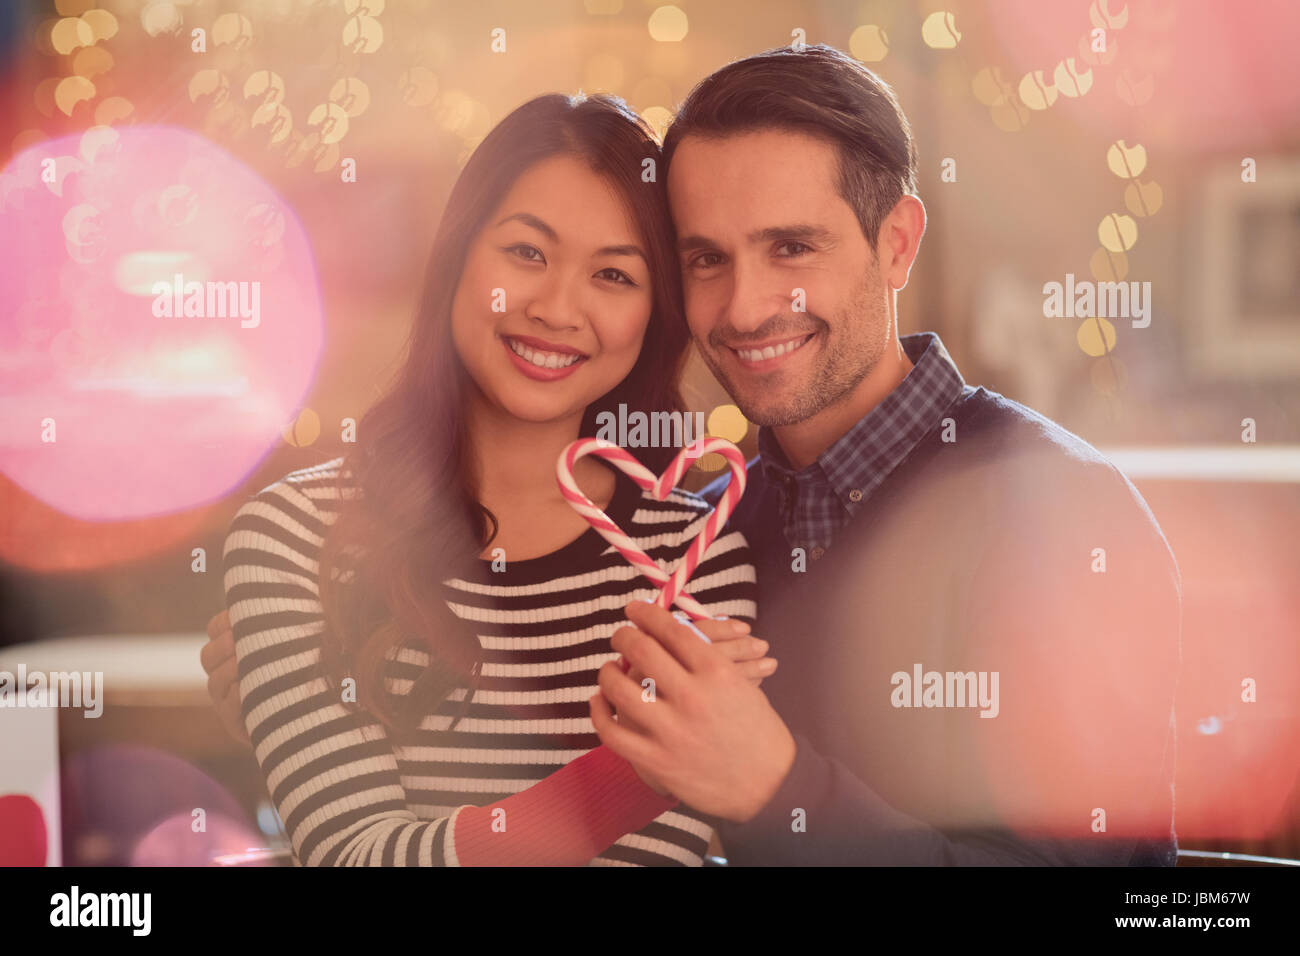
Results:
x,y
524,251
706,260
793,249
615,275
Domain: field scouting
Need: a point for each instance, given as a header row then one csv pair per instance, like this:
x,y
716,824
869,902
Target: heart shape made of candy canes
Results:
x,y
672,588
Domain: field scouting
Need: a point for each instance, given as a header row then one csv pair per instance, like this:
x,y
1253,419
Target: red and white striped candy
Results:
x,y
672,588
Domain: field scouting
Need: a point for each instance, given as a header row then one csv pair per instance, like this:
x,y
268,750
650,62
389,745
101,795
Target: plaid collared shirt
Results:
x,y
819,500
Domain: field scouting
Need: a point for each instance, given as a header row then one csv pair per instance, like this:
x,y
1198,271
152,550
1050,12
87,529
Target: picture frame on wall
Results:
x,y
1246,310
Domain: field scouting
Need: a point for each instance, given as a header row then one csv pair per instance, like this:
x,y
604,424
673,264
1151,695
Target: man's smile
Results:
x,y
762,356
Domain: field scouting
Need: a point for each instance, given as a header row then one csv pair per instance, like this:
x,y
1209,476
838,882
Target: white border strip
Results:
x,y
1245,462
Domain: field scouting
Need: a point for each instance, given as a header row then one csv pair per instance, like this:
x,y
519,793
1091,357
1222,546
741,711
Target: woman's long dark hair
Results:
x,y
414,520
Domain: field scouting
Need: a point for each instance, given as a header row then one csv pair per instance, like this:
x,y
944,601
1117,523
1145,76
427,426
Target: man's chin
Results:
x,y
770,413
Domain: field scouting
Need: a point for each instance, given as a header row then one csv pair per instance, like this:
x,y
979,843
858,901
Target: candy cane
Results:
x,y
672,587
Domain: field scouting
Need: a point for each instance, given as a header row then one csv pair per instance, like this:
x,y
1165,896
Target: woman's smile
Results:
x,y
540,360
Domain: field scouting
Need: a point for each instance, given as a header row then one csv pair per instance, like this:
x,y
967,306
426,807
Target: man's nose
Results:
x,y
754,299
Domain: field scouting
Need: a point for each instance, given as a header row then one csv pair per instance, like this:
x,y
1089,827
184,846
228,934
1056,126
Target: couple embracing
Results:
x,y
906,542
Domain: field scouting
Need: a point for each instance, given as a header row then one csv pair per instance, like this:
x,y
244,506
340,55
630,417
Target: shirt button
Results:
x,y
855,495
817,553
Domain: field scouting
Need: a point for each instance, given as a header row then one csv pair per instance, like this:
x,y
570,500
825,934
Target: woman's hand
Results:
x,y
733,639
218,658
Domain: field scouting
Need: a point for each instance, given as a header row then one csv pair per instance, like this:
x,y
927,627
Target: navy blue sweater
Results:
x,y
1015,549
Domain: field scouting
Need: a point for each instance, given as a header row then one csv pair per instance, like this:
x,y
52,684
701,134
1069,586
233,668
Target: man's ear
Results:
x,y
900,240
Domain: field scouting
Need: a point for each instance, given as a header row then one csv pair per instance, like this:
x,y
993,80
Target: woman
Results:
x,y
399,721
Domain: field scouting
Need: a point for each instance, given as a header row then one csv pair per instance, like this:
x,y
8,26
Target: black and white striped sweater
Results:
x,y
350,795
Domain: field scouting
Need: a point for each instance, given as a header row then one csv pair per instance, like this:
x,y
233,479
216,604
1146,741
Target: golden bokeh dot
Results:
x,y
325,157
160,17
989,86
1126,162
177,204
273,120
1036,91
729,422
1118,232
70,33
602,72
332,121
939,31
112,110
668,24
1107,266
869,43
1109,375
351,95
659,118
303,430
97,140
1070,80
1096,337
71,91
102,23
43,95
92,61
264,225
266,86
711,462
1010,115
233,29
362,34
80,223
41,38
209,83
419,86
1143,199
1108,14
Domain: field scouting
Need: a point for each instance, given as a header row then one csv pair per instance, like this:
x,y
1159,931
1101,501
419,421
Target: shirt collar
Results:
x,y
865,455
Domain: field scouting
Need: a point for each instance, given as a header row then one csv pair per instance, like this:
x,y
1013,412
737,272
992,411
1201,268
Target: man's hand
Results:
x,y
746,652
218,657
710,736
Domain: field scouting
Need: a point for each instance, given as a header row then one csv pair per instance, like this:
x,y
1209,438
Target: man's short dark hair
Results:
x,y
822,92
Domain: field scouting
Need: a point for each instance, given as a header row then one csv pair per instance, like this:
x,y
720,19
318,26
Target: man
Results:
x,y
977,616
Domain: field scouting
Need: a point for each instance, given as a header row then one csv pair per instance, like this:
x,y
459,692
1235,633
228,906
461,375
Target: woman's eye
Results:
x,y
615,275
524,251
798,249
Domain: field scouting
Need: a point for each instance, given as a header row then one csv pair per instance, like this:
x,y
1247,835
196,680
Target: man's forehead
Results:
x,y
753,179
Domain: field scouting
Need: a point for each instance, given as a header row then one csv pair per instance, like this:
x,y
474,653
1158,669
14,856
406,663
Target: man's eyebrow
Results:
x,y
796,232
528,219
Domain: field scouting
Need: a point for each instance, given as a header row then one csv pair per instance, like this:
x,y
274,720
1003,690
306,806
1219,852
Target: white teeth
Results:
x,y
542,359
772,351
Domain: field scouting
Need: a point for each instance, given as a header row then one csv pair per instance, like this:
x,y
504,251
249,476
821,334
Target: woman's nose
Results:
x,y
557,303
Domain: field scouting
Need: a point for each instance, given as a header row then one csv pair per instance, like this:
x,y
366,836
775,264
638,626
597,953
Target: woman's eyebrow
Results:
x,y
528,219
626,250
